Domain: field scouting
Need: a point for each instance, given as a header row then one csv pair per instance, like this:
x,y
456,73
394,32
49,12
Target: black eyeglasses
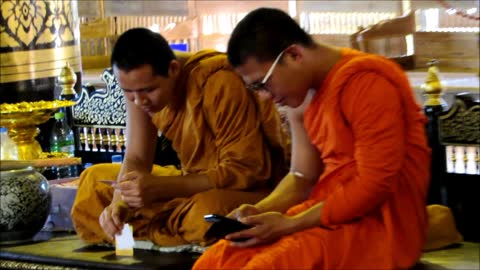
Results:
x,y
257,86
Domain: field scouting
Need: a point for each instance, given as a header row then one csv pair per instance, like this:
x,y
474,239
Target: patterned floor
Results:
x,y
68,252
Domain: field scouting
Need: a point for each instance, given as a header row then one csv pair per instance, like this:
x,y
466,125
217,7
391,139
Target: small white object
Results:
x,y
297,174
124,242
9,150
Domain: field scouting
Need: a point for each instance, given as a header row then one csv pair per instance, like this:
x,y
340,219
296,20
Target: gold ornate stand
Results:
x,y
22,119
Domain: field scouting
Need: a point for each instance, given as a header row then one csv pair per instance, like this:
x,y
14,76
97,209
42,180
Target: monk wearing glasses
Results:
x,y
356,192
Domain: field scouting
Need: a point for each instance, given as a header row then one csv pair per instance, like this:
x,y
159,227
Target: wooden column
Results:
x,y
101,9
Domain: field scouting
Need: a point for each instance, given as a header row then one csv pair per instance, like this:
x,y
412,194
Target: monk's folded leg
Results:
x,y
178,221
186,223
303,250
352,246
224,256
92,197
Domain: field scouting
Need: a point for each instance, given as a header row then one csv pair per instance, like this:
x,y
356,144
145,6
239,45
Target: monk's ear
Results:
x,y
174,68
296,52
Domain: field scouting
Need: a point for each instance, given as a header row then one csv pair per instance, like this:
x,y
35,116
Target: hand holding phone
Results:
x,y
223,226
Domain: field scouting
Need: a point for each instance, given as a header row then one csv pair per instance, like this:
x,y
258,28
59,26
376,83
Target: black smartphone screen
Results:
x,y
222,226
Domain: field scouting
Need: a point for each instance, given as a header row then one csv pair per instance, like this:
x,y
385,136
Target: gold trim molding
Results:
x,y
34,64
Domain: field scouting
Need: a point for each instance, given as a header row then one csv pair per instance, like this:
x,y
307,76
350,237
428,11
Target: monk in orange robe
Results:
x,y
355,196
229,143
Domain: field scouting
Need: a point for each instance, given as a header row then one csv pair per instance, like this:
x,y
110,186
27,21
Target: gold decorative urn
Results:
x,y
67,80
432,88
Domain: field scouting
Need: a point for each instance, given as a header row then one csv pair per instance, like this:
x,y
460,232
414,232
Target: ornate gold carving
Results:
x,y
465,156
91,139
102,107
7,108
82,139
97,138
102,139
113,138
103,114
106,141
24,23
460,125
37,37
24,20
432,88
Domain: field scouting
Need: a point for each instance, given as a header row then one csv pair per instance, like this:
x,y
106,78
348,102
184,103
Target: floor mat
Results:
x,y
70,251
459,256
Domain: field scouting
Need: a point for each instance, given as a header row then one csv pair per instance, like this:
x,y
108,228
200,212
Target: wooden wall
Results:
x,y
90,8
345,6
455,50
235,6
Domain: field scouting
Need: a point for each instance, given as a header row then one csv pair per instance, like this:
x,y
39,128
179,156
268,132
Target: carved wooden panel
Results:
x,y
460,124
103,107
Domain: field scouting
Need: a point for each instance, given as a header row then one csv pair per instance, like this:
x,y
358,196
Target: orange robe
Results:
x,y
220,130
370,133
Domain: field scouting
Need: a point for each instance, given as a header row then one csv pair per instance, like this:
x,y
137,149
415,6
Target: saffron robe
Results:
x,y
370,132
220,130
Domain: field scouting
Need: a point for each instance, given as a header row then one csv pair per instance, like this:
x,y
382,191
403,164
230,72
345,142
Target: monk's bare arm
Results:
x,y
306,167
305,157
142,139
290,191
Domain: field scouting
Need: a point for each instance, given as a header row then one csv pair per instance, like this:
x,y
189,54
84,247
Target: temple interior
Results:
x,y
59,52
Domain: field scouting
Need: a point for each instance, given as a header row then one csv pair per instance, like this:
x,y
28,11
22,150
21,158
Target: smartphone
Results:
x,y
222,226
